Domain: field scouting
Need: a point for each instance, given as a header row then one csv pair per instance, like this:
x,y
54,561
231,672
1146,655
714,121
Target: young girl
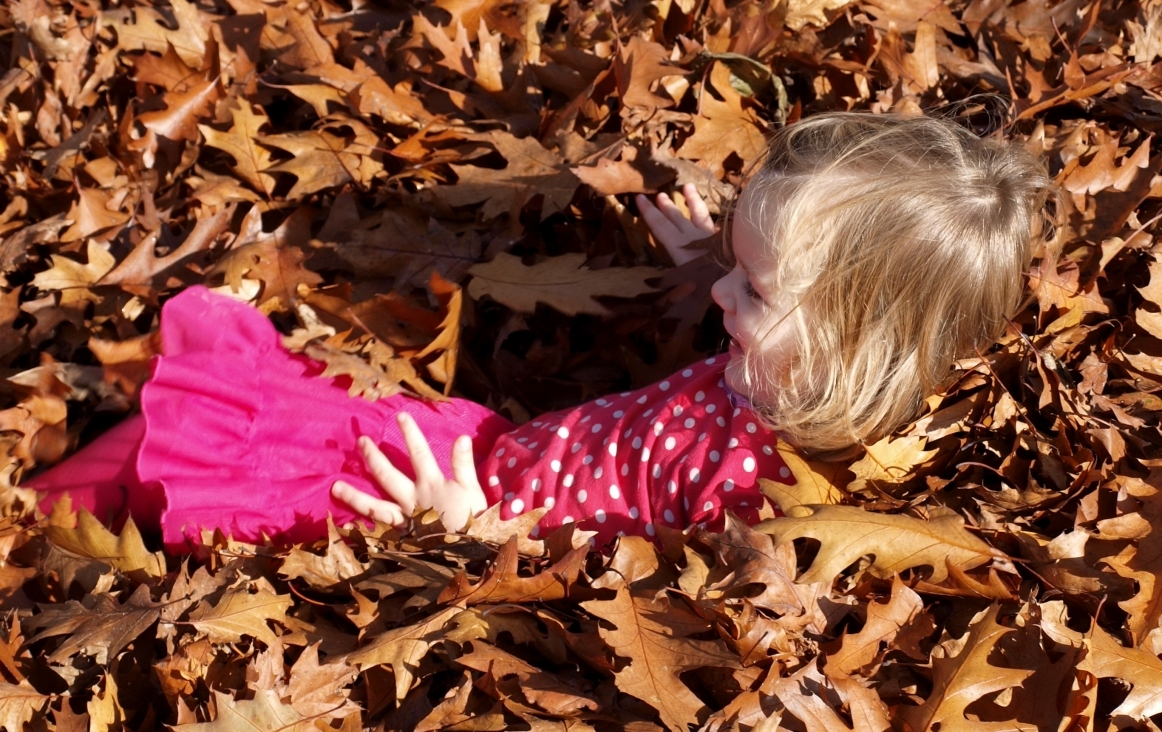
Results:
x,y
869,253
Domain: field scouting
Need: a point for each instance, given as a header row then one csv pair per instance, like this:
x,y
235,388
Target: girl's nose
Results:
x,y
720,293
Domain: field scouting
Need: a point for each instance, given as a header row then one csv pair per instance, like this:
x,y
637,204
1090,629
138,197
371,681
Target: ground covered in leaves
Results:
x,y
348,168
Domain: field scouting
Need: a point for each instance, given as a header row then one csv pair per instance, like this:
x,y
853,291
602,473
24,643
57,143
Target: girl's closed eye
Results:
x,y
750,291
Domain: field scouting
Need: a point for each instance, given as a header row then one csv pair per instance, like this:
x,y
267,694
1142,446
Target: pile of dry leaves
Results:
x,y
347,167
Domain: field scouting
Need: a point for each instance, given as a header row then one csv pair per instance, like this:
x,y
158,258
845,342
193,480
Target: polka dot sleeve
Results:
x,y
674,453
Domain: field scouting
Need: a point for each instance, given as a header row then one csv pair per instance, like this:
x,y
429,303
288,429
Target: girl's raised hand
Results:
x,y
455,500
671,227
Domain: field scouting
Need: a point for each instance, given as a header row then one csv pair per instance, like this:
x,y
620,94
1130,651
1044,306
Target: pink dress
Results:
x,y
239,434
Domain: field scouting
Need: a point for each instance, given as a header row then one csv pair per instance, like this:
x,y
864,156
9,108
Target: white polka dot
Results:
x,y
645,454
689,422
600,516
710,409
669,515
695,475
550,502
587,459
542,454
678,410
634,513
576,448
613,449
737,411
597,473
535,532
614,492
567,520
563,432
722,382
670,442
618,414
582,496
672,487
511,462
768,450
533,445
567,480
642,399
524,472
727,486
657,470
743,503
595,428
522,440
518,506
625,469
707,506
686,503
657,428
647,413
537,424
585,419
627,433
709,361
637,443
624,394
688,373
733,443
664,385
702,437
699,396
784,472
556,466
721,422
493,480
750,427
601,402
748,464
536,484
500,452
509,496
650,530
715,456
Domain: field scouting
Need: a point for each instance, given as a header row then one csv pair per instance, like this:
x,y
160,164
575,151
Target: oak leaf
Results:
x,y
723,127
541,688
90,214
964,676
402,649
251,160
884,621
816,482
100,631
264,713
241,612
279,268
500,583
1151,320
337,564
848,533
559,282
126,552
654,634
19,703
892,460
150,30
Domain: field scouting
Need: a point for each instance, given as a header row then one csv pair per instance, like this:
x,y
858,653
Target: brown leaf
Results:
x,y
884,620
100,631
126,552
19,703
241,612
264,712
559,282
654,634
251,159
279,268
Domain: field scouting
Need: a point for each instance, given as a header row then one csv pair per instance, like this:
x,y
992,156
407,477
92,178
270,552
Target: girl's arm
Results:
x,y
456,500
671,227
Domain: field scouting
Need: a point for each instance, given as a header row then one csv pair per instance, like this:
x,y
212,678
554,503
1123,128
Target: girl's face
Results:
x,y
753,312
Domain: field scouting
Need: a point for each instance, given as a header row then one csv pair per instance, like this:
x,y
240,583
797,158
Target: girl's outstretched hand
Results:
x,y
455,500
671,227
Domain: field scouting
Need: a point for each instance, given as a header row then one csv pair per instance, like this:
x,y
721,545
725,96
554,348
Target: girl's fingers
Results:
x,y
655,219
699,212
671,211
423,461
397,485
365,505
464,473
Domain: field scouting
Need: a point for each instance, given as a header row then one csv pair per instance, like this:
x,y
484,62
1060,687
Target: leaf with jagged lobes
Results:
x,y
18,704
816,482
896,543
264,713
561,282
90,539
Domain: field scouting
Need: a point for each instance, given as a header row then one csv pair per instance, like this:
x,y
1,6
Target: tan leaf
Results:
x,y
654,634
1151,320
90,214
816,482
337,565
126,552
101,631
560,282
892,460
723,127
251,160
279,268
150,30
264,713
884,620
848,533
317,690
240,612
963,676
19,703
402,649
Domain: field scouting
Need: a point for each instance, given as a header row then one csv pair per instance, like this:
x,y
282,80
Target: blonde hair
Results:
x,y
903,244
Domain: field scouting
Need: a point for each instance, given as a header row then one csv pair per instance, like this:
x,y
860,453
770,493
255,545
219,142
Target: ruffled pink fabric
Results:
x,y
239,434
